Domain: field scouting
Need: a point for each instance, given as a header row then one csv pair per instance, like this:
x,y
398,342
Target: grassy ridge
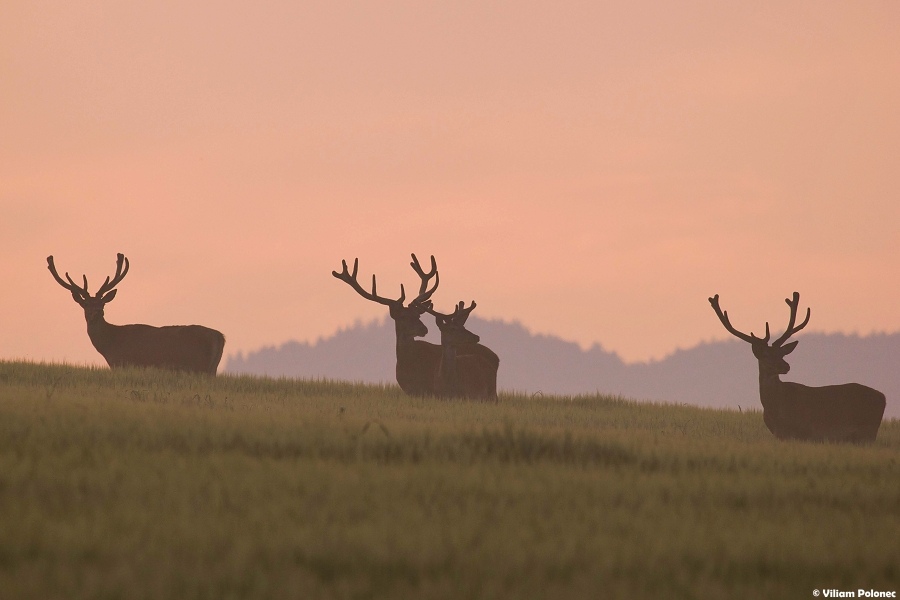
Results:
x,y
148,484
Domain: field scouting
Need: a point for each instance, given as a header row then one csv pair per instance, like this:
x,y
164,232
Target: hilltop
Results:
x,y
713,374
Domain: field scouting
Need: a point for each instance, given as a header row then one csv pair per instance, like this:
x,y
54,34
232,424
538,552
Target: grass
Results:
x,y
149,484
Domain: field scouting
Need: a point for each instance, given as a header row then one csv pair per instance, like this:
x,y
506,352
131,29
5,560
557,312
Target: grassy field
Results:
x,y
146,484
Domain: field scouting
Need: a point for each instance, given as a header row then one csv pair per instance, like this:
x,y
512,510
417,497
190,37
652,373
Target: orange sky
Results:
x,y
594,171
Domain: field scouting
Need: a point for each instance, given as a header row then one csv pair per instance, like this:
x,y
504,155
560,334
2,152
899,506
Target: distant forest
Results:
x,y
717,374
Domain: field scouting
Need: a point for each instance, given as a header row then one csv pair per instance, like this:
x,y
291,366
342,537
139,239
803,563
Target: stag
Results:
x,y
418,361
191,348
848,412
468,369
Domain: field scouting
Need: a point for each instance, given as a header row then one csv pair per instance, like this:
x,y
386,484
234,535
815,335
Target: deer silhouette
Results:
x,y
192,348
418,361
849,412
468,369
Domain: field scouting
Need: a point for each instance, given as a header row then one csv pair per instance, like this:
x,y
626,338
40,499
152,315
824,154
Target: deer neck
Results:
x,y
770,385
99,331
408,347
404,338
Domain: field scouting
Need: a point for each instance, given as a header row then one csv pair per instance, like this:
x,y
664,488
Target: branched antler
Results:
x,y
723,317
791,330
458,316
118,277
71,285
424,293
83,291
350,279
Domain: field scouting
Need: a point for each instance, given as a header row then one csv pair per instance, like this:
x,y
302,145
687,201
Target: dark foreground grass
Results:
x,y
147,484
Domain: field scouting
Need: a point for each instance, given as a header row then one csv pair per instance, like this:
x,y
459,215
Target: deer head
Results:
x,y
770,356
453,326
92,305
408,318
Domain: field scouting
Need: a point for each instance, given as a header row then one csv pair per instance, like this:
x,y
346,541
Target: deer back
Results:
x,y
476,371
848,412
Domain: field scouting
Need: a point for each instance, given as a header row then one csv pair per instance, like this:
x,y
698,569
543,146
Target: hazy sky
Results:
x,y
593,170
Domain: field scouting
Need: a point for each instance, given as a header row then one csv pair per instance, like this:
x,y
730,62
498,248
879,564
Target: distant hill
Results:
x,y
716,374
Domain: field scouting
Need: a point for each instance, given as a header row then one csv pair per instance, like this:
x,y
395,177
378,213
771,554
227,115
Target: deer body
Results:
x,y
849,412
475,372
191,348
468,369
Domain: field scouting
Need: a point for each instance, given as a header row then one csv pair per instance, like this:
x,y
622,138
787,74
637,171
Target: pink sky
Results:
x,y
593,171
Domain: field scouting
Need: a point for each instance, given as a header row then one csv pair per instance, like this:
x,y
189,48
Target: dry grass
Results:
x,y
147,484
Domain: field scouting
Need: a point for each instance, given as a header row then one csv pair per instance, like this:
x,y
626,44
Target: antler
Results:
x,y
350,279
118,277
723,317
424,292
83,291
791,330
71,285
459,315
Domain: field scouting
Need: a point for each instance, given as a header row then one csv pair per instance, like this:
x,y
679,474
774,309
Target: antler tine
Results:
x,y
424,292
402,292
794,304
461,313
70,285
350,279
430,310
118,277
723,317
75,287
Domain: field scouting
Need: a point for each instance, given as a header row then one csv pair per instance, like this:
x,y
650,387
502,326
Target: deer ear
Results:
x,y
110,295
788,348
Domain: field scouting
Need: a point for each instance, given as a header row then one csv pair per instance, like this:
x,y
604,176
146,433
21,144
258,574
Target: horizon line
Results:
x,y
380,321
